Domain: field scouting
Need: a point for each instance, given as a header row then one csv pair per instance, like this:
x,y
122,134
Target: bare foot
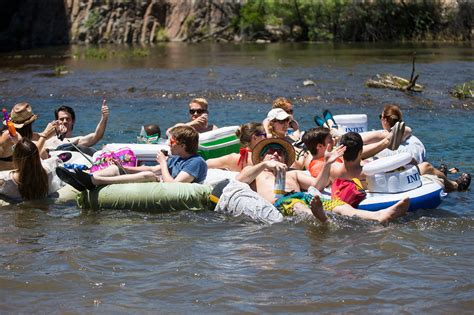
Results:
x,y
317,209
397,210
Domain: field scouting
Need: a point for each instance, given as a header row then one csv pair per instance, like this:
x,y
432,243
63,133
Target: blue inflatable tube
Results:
x,y
428,196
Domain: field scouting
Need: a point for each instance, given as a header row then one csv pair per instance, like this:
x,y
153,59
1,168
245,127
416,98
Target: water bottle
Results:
x,y
279,188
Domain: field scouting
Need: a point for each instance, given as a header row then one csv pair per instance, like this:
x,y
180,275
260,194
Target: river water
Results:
x,y
59,259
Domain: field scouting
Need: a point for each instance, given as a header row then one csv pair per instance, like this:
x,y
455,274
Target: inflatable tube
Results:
x,y
219,142
149,197
144,152
352,122
76,157
387,164
212,144
428,196
411,145
63,195
70,147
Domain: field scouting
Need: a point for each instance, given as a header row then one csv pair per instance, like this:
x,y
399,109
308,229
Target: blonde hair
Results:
x,y
272,129
200,101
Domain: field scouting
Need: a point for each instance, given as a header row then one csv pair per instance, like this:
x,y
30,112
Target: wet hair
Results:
x,y
392,113
152,129
33,179
282,103
188,136
246,131
66,109
353,143
201,101
315,136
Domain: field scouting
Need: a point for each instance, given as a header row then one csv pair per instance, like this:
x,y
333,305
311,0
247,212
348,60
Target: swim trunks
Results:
x,y
286,203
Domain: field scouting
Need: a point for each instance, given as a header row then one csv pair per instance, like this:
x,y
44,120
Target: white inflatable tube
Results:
x,y
352,122
387,164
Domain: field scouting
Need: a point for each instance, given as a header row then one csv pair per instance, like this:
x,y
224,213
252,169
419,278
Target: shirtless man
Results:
x,y
66,117
275,155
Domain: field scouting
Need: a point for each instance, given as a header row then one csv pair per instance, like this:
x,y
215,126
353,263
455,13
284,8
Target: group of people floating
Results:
x,y
309,159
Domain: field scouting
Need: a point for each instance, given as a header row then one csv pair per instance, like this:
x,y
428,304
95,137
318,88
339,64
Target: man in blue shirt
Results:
x,y
184,166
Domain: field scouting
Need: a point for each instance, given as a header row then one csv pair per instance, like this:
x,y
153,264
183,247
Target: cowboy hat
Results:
x,y
285,145
21,115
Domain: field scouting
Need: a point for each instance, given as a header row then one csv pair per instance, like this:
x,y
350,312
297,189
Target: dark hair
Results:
x,y
33,179
353,143
26,131
67,109
393,114
188,136
315,136
152,129
246,131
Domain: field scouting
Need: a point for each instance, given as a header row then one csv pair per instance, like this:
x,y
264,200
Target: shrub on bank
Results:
x,y
344,20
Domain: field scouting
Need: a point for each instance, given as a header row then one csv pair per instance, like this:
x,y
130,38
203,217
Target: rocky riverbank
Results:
x,y
30,23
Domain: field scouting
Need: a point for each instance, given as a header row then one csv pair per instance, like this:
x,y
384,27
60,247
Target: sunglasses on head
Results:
x,y
197,111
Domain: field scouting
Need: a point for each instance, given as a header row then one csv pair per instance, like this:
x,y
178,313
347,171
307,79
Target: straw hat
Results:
x,y
290,151
21,115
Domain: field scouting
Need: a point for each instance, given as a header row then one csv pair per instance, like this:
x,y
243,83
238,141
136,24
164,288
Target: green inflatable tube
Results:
x,y
148,197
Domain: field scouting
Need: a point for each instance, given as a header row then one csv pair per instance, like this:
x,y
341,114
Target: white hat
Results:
x,y
278,114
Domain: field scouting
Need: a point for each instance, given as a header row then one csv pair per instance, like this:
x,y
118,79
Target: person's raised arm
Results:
x,y
94,137
323,179
47,133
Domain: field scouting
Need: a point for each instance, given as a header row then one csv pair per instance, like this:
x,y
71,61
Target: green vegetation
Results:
x,y
60,70
161,35
137,52
95,53
345,20
104,53
465,90
92,19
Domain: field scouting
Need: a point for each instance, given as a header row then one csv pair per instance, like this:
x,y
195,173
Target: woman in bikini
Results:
x,y
249,135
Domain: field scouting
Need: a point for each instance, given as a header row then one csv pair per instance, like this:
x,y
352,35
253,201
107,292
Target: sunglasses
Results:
x,y
197,111
381,116
289,112
260,134
272,151
172,141
287,120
